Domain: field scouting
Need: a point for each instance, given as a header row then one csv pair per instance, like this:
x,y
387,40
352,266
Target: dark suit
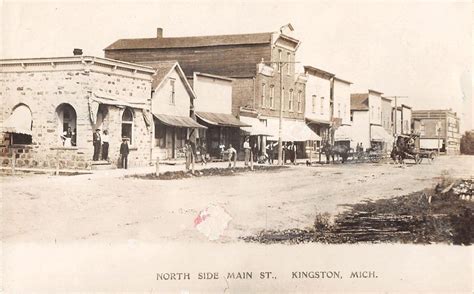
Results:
x,y
124,154
97,143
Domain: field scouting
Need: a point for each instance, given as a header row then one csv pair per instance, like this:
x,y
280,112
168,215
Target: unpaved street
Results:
x,y
94,208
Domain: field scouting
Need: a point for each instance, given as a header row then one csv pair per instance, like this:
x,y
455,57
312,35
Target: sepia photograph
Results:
x,y
236,146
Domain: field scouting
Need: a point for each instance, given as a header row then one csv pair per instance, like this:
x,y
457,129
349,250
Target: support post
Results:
x,y
13,160
193,160
251,160
157,166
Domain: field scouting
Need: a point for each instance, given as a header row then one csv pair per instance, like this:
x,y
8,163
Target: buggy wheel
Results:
x,y
374,159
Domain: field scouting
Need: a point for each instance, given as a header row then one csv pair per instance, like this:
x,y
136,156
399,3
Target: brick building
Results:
x,y
43,97
247,59
438,128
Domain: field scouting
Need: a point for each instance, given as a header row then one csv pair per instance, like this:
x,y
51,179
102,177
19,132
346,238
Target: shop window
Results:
x,y
127,125
160,135
67,119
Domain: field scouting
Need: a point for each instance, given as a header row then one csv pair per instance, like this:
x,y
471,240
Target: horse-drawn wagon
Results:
x,y
408,147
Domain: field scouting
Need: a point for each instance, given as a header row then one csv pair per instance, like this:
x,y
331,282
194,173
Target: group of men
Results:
x,y
101,143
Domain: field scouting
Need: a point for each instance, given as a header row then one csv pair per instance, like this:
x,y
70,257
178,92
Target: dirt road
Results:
x,y
64,209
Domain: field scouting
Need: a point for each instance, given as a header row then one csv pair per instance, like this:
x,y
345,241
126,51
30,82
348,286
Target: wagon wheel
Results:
x,y
418,159
374,158
432,156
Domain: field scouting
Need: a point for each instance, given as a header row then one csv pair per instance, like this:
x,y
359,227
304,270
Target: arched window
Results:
x,y
19,125
127,124
67,124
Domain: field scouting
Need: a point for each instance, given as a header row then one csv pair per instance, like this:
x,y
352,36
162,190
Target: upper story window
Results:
x,y
290,100
372,112
272,96
288,65
264,91
300,101
339,110
280,53
321,109
379,112
345,110
314,102
172,94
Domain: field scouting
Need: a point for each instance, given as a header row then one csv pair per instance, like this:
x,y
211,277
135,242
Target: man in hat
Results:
x,y
124,153
96,141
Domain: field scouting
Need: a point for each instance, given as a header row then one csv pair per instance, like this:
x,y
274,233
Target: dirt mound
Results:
x,y
175,175
437,215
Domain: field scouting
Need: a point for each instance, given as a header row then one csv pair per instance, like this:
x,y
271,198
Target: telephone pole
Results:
x,y
396,110
280,66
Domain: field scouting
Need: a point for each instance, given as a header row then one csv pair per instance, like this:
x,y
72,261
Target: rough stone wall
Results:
x,y
44,91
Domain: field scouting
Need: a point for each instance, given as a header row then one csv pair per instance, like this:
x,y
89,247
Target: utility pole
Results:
x,y
280,65
396,110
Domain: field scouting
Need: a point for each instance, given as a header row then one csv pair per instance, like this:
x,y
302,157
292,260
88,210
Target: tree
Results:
x,y
467,143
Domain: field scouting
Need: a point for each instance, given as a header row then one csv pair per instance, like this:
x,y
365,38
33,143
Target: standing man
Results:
x,y
124,153
188,152
246,151
96,141
105,145
270,152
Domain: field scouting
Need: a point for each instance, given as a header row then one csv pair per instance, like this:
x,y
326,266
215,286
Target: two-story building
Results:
x,y
341,92
366,113
42,98
255,62
438,129
387,121
319,106
402,117
172,106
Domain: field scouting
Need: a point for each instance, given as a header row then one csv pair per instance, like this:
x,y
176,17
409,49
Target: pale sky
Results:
x,y
418,49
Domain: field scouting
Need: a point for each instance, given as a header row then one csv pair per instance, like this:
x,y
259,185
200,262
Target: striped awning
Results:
x,y
19,122
178,121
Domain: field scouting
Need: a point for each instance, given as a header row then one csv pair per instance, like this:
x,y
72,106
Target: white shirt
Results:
x,y
246,145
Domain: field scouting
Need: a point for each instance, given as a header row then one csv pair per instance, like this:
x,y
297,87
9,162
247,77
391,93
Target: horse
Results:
x,y
332,150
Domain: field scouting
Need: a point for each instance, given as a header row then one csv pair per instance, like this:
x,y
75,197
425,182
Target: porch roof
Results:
x,y
220,119
178,121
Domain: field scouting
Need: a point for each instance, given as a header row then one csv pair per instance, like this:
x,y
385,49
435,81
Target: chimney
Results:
x,y
77,51
159,32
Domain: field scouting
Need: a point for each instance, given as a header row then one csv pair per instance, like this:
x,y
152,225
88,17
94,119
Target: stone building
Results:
x,y
255,62
438,129
43,97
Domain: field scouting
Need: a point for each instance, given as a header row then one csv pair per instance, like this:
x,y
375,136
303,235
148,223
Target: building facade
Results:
x,y
387,122
44,97
403,119
260,65
438,129
172,106
214,110
341,92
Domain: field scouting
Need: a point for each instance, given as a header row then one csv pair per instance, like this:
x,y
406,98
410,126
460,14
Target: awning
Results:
x,y
311,121
220,119
19,122
102,99
343,133
292,130
378,133
178,121
256,128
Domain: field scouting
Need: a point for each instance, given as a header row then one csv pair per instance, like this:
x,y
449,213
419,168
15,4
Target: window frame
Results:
x,y
272,96
172,100
130,123
263,97
290,100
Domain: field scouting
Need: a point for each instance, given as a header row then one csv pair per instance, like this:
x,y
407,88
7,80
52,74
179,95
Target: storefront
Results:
x,y
222,129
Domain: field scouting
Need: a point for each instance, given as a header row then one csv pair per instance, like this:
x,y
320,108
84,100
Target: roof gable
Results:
x,y
164,70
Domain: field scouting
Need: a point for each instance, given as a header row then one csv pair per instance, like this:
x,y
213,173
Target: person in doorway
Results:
x,y
232,155
67,137
96,141
74,137
292,151
124,150
105,145
246,151
270,152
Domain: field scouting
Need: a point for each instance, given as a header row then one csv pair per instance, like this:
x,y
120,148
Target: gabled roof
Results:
x,y
163,70
190,42
360,101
